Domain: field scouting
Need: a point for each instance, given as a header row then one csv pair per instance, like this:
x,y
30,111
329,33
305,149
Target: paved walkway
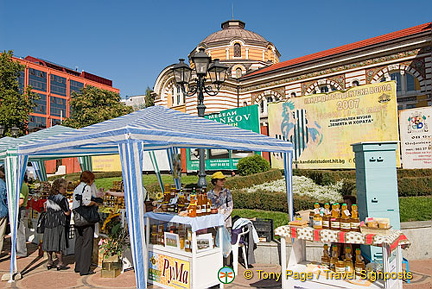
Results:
x,y
36,276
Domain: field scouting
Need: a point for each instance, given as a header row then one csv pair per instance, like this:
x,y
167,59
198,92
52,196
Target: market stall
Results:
x,y
353,273
152,128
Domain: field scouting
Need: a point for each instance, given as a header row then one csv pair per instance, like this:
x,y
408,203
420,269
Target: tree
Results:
x,y
149,97
93,105
252,165
15,104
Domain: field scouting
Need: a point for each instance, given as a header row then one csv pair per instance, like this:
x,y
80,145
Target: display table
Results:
x,y
171,267
391,244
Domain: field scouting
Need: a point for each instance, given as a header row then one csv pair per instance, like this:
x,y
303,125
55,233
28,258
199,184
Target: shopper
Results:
x,y
3,207
21,248
221,198
56,221
83,194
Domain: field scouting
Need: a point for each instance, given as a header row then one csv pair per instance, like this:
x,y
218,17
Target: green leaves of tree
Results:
x,y
15,105
94,105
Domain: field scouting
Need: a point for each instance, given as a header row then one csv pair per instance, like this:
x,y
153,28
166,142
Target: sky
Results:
x,y
132,41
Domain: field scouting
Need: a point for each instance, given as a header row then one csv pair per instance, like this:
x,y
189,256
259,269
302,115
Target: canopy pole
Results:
x,y
157,170
85,163
174,166
15,166
131,156
288,183
40,171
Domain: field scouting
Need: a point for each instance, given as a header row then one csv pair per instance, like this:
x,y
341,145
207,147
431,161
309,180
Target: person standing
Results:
x,y
82,196
21,232
3,208
55,236
221,198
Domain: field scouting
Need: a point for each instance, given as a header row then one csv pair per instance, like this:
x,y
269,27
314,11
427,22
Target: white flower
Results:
x,y
303,186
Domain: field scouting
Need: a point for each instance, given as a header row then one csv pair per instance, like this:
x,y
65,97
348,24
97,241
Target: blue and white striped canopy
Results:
x,y
150,129
157,128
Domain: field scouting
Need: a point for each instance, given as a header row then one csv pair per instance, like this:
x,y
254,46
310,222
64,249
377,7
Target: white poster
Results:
x,y
416,137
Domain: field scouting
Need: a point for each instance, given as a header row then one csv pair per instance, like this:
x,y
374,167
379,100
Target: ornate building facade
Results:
x,y
257,77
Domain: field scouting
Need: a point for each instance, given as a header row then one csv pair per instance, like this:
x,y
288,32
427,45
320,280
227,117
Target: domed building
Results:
x,y
243,51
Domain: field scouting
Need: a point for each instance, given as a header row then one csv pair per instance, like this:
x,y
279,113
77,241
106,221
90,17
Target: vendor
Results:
x,y
221,198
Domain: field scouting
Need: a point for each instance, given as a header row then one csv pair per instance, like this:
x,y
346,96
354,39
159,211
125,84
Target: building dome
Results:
x,y
232,30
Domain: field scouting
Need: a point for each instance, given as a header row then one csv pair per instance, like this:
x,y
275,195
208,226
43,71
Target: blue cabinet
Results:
x,y
376,182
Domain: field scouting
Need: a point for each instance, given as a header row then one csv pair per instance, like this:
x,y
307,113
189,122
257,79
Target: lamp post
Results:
x,y
203,66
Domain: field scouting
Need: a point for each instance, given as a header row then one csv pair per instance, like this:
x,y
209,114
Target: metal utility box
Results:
x,y
376,182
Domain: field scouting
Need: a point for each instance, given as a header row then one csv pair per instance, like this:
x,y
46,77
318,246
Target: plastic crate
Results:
x,y
264,228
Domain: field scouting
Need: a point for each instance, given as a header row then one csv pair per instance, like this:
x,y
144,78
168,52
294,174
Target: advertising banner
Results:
x,y
416,137
246,117
322,127
168,271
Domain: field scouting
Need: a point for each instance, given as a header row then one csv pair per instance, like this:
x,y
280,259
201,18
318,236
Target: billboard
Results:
x,y
246,117
416,137
322,127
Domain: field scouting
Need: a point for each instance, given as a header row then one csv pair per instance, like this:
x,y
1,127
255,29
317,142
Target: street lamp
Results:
x,y
203,66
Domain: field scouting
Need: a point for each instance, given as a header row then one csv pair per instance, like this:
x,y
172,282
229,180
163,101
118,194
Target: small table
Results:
x,y
391,245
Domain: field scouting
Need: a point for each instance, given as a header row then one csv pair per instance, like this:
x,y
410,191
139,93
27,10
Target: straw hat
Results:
x,y
218,176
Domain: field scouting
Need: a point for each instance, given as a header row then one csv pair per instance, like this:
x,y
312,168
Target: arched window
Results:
x,y
237,50
355,83
238,72
293,94
405,82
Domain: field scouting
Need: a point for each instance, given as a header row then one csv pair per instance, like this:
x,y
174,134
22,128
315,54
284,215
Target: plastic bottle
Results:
x,y
317,218
355,221
335,219
349,266
192,208
203,203
209,205
311,216
325,259
326,216
334,258
199,205
345,220
359,265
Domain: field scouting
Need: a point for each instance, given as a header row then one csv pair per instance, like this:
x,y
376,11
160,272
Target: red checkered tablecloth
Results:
x,y
394,239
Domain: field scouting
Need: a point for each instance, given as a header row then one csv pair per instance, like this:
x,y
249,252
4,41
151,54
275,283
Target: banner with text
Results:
x,y
322,127
168,271
416,137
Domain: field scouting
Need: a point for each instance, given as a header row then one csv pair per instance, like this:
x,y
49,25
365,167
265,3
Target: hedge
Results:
x,y
269,201
416,182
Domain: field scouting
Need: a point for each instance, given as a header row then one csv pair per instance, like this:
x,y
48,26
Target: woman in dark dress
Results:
x,y
56,222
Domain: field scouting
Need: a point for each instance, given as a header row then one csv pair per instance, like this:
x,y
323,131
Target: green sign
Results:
x,y
246,117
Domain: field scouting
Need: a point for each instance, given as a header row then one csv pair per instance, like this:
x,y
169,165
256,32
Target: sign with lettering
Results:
x,y
246,117
322,127
168,271
416,137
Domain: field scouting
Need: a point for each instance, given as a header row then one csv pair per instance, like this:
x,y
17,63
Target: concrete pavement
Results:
x,y
36,276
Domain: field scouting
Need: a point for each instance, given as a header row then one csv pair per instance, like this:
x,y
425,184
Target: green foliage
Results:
x,y
326,177
269,201
415,186
415,209
252,165
15,105
149,97
117,238
93,105
279,218
241,182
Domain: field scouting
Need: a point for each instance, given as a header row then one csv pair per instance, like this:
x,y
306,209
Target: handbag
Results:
x,y
40,227
85,215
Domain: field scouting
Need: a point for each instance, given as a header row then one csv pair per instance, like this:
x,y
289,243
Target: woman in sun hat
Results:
x,y
221,197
